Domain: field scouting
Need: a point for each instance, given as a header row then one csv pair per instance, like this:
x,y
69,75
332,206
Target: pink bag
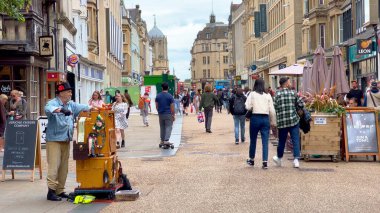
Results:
x,y
200,117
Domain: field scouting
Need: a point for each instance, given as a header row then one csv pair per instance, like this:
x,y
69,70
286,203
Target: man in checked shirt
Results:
x,y
287,120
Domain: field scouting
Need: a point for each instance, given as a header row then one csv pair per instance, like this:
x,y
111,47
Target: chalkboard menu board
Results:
x,y
20,145
361,132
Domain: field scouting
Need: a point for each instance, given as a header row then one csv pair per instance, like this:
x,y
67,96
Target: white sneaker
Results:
x,y
277,160
296,163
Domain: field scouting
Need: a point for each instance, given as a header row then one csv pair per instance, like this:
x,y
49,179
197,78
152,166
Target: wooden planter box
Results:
x,y
324,137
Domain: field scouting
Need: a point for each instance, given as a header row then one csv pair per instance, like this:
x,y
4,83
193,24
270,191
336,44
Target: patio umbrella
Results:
x,y
318,71
336,77
306,79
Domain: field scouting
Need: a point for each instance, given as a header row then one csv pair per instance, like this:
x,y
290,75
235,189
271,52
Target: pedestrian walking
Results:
x,y
120,107
263,116
197,100
238,111
114,97
208,101
3,119
144,103
219,104
372,98
185,102
61,112
96,100
166,114
177,104
108,98
285,103
17,106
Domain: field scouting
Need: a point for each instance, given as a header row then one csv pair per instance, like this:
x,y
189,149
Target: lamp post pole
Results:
x,y
377,52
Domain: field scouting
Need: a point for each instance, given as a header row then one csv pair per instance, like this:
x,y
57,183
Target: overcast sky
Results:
x,y
180,21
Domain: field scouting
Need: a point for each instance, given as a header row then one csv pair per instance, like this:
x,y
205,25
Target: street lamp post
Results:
x,y
377,52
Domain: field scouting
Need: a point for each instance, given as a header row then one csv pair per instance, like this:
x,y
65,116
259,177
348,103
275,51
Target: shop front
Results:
x,y
363,63
25,73
91,79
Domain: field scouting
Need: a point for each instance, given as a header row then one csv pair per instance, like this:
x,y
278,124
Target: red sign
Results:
x,y
147,89
55,76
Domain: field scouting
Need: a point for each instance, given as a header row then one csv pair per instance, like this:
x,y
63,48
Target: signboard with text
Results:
x,y
22,147
361,132
364,46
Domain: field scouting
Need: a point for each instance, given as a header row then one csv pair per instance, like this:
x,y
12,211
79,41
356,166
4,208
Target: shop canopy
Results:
x,y
295,69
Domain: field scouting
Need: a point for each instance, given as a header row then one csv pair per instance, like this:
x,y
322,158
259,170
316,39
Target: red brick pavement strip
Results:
x,y
209,174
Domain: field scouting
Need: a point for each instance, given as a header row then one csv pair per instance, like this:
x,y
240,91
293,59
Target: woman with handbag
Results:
x,y
260,104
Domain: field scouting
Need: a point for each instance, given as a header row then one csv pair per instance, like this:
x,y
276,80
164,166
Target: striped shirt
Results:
x,y
285,106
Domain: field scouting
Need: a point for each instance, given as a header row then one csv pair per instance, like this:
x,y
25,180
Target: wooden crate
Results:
x,y
323,138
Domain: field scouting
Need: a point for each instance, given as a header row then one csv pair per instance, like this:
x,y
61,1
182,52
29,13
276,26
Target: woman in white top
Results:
x,y
263,115
96,100
197,100
120,107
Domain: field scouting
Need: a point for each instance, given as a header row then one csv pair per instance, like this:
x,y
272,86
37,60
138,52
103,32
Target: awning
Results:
x,y
295,69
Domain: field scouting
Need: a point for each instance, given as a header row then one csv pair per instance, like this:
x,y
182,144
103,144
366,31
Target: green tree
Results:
x,y
12,8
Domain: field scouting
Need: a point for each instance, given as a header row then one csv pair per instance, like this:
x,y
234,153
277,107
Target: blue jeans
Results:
x,y
239,121
259,122
294,134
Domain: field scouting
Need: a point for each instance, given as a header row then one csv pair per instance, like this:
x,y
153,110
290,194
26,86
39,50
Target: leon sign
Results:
x,y
364,46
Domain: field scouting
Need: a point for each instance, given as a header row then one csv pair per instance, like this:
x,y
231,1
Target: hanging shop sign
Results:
x,y
364,46
46,46
72,60
353,52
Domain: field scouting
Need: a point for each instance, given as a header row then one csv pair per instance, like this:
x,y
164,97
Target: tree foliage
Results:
x,y
12,8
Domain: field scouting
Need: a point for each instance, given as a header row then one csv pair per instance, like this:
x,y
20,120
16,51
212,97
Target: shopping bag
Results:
x,y
200,117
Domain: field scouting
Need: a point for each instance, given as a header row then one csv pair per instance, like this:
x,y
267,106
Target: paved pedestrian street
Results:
x,y
207,173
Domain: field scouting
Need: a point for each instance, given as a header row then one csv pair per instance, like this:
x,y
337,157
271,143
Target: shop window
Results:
x,y
5,72
12,77
19,73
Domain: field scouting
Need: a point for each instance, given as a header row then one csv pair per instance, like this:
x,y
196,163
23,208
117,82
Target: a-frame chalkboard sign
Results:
x,y
22,147
361,132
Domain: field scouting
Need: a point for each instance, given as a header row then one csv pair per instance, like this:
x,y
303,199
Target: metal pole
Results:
x,y
377,51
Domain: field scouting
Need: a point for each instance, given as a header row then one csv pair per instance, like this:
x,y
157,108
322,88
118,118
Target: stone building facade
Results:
x,y
159,44
210,58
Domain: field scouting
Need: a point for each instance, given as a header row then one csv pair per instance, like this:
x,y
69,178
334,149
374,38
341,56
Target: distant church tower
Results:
x,y
160,50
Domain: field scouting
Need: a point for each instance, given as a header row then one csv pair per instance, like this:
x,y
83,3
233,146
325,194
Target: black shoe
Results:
x,y
250,162
122,143
265,165
208,131
52,196
242,140
117,145
63,195
236,142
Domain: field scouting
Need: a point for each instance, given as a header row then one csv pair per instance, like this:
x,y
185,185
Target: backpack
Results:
x,y
239,106
141,103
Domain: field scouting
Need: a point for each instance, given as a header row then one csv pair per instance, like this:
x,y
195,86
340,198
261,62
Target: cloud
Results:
x,y
180,21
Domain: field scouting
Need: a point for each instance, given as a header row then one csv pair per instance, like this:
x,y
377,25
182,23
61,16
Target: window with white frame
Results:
x,y
362,15
204,60
208,73
225,59
208,59
322,34
208,35
321,1
340,28
204,74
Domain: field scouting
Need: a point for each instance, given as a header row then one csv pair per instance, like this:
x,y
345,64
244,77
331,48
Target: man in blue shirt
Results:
x,y
166,113
61,112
